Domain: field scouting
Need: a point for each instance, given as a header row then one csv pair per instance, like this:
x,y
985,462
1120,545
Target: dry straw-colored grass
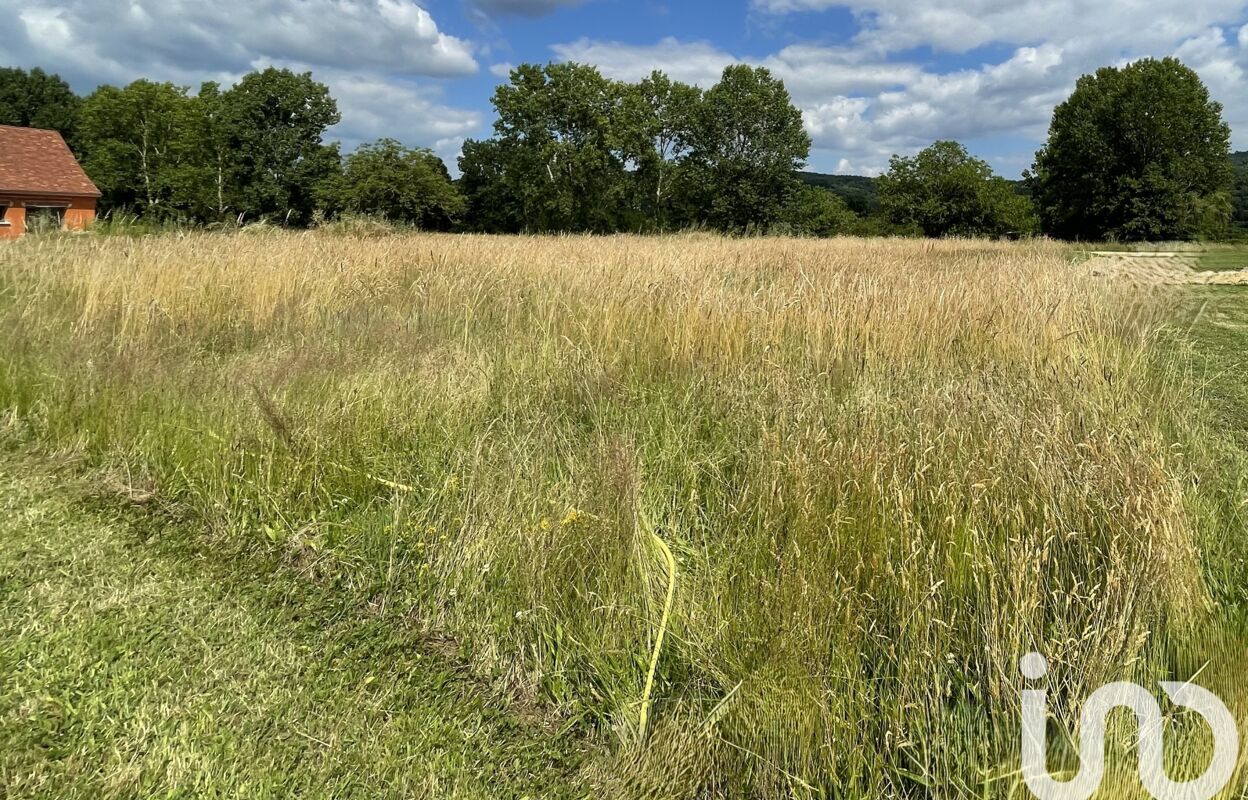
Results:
x,y
886,469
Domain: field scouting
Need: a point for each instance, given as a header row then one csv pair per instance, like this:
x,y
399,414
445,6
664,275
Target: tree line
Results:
x,y
1136,152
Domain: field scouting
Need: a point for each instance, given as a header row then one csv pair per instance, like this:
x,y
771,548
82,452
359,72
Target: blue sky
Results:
x,y
872,77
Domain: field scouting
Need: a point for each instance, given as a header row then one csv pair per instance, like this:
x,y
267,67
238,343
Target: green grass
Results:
x,y
1217,330
1210,257
1221,259
885,470
1210,336
133,667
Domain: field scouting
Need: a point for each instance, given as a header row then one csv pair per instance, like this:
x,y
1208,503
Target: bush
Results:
x,y
944,191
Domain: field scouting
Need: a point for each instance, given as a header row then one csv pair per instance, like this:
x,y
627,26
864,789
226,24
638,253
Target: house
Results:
x,y
41,183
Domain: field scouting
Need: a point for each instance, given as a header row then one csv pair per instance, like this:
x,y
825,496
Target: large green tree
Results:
x,y
747,142
945,191
138,145
208,190
491,203
36,99
1135,153
275,122
255,150
558,141
574,151
654,133
404,185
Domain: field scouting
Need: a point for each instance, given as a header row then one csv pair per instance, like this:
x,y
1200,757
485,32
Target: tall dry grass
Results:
x,y
886,469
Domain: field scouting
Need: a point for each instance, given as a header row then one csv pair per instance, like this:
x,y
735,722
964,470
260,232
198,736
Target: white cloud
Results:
x,y
812,72
962,25
698,63
374,108
883,91
365,51
191,36
1054,41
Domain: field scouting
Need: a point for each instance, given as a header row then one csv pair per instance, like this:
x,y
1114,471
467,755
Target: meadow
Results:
x,y
751,517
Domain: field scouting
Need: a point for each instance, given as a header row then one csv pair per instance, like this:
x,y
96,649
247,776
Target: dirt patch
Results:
x,y
1161,268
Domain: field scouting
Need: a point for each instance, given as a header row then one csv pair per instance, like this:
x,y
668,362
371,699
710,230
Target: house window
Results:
x,y
4,211
44,218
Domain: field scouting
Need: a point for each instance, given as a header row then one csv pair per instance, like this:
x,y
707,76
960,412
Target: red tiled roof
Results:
x,y
34,161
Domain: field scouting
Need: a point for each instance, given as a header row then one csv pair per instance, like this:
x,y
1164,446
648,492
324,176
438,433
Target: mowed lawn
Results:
x,y
1220,259
1218,335
133,668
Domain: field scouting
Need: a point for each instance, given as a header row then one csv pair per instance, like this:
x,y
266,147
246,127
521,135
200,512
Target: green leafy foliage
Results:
x,y
1239,192
386,179
491,203
557,160
209,191
252,151
655,134
1137,153
859,192
138,143
574,151
817,212
558,127
747,142
276,120
36,99
944,191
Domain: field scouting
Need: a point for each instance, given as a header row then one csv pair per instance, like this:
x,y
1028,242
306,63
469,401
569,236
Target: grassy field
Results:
x,y
139,668
1208,257
882,470
1224,259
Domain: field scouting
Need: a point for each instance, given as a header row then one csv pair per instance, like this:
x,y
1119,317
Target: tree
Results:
x,y
1137,153
403,185
137,144
491,205
947,192
275,121
255,149
36,99
654,134
747,142
558,153
812,211
573,151
208,190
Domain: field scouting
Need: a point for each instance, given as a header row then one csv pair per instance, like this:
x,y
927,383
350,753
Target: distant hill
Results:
x,y
862,195
858,191
1239,189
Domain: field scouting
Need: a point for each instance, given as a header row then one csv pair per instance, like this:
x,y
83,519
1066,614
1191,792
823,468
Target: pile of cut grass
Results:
x,y
886,470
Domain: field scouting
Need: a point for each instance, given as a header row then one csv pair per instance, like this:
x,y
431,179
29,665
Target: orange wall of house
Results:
x,y
79,214
16,219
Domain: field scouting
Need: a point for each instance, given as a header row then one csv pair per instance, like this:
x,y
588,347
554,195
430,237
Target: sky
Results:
x,y
872,77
